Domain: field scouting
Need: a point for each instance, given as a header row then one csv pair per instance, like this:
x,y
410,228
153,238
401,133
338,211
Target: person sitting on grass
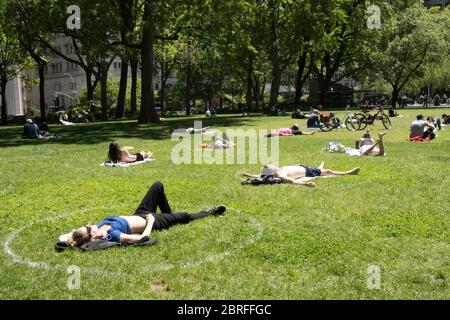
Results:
x,y
137,228
314,118
292,131
299,174
118,154
446,119
31,130
436,121
367,147
64,119
44,129
422,129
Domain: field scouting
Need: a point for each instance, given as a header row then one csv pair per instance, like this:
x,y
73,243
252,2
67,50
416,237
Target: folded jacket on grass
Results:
x,y
125,164
104,244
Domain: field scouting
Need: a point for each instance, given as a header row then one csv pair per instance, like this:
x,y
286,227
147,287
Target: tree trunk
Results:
x,y
275,88
394,96
187,96
162,93
301,64
324,87
42,91
4,109
104,93
134,66
274,55
248,93
256,92
147,113
89,87
120,109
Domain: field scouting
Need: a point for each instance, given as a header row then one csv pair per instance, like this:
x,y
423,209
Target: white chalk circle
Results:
x,y
256,235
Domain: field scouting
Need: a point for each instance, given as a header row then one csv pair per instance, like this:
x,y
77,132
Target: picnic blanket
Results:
x,y
125,164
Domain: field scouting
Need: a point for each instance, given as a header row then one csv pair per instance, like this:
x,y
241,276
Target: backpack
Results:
x,y
262,180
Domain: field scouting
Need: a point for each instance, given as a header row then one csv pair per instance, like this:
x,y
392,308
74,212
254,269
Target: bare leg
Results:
x,y
368,151
321,165
146,154
331,173
376,149
380,144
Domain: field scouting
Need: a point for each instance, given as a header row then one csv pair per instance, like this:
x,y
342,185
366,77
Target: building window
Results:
x,y
57,86
73,86
57,67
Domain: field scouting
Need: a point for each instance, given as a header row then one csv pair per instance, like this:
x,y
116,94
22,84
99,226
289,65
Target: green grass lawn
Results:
x,y
275,242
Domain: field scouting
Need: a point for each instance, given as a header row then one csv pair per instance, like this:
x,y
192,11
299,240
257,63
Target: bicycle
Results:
x,y
330,121
366,118
351,121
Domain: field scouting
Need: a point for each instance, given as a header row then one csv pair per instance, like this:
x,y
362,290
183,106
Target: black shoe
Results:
x,y
218,211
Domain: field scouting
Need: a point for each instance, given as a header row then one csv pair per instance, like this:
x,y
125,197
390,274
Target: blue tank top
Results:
x,y
118,225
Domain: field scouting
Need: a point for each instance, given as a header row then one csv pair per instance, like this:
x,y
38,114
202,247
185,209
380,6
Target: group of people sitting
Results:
x,y
313,118
33,131
422,129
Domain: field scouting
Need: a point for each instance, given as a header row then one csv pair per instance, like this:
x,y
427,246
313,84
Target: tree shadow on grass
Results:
x,y
100,132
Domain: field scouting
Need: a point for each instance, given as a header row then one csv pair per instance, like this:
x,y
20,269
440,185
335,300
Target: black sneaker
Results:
x,y
218,211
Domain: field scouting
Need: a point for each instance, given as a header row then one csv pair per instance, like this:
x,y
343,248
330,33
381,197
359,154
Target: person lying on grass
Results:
x,y
292,131
223,142
137,228
117,154
299,174
367,147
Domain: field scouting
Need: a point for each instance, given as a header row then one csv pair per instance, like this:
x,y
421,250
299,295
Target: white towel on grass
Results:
x,y
125,164
353,152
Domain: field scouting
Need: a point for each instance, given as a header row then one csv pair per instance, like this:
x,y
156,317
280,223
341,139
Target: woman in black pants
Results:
x,y
138,227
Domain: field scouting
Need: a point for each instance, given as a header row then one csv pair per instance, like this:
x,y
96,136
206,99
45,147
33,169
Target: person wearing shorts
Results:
x,y
300,174
117,154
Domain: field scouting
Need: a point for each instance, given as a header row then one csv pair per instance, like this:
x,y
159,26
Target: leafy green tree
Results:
x,y
25,33
13,59
409,43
